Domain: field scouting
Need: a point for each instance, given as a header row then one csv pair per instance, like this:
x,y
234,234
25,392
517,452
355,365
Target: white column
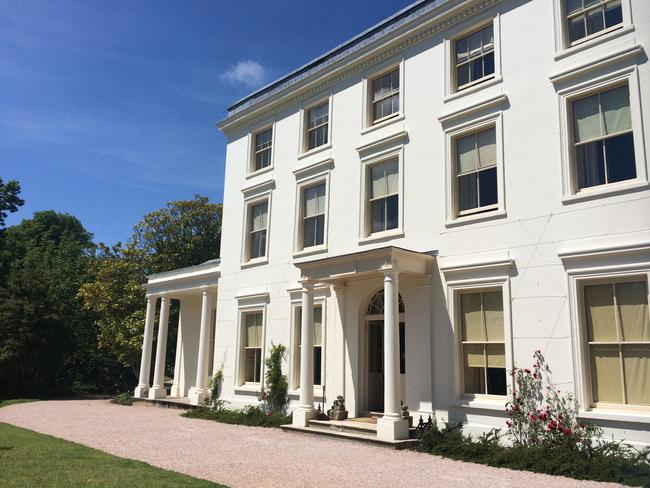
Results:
x,y
305,411
158,388
340,357
199,392
178,387
391,426
142,389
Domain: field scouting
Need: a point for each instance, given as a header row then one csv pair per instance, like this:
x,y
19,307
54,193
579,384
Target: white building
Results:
x,y
426,205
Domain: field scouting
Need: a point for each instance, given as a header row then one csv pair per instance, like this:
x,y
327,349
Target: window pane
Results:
x,y
616,110
462,74
314,200
377,215
621,164
590,164
258,244
259,216
493,313
613,14
475,40
576,28
402,348
254,330
317,365
384,179
474,363
466,154
392,212
320,230
470,313
263,159
476,69
572,5
497,384
600,313
467,192
586,117
632,300
462,49
636,360
318,326
263,139
595,21
253,364
309,232
318,115
488,64
487,148
488,36
496,355
606,374
488,187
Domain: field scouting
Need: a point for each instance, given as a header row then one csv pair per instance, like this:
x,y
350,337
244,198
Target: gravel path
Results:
x,y
241,456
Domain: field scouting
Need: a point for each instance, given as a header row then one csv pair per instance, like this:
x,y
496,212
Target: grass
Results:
x,y
29,459
6,403
251,416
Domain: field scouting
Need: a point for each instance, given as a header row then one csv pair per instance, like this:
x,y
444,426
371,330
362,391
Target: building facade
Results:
x,y
431,202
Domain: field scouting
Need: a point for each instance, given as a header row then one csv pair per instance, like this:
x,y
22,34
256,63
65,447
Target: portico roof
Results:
x,y
184,280
363,264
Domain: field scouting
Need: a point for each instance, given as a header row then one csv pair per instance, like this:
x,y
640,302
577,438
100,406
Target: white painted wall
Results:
x,y
537,224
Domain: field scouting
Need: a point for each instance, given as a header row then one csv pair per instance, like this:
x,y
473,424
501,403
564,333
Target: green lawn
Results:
x,y
6,403
29,459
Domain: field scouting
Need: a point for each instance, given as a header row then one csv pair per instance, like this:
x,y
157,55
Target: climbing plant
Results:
x,y
274,395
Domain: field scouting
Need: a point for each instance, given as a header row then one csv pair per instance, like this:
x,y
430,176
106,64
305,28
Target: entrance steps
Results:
x,y
363,429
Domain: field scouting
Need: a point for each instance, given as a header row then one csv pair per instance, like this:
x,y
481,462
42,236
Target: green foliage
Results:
x,y
14,401
250,415
29,459
606,462
48,343
9,199
539,413
123,399
274,396
214,402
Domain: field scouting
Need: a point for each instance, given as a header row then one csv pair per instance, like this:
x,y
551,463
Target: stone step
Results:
x,y
345,426
357,436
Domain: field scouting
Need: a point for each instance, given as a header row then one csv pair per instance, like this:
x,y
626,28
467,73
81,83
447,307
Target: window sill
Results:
x,y
606,190
480,403
473,89
308,251
254,262
389,121
319,392
316,150
259,172
615,415
380,236
477,217
248,388
607,36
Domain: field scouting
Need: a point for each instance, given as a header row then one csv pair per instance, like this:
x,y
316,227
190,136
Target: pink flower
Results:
x,y
508,423
527,371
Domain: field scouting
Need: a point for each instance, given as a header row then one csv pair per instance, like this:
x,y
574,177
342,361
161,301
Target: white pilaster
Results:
x,y
158,388
391,426
340,355
199,391
142,389
305,411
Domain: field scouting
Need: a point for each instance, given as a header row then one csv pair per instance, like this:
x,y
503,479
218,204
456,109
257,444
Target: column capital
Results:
x,y
339,288
307,286
390,274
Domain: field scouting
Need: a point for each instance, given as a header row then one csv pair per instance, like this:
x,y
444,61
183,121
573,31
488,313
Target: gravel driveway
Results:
x,y
241,456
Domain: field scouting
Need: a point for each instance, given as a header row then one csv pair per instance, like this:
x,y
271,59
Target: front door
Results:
x,y
376,362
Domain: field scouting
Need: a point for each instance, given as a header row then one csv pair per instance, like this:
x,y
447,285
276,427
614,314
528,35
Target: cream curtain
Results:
x,y
493,313
254,330
472,327
259,217
606,374
318,326
487,148
496,355
636,360
601,318
466,154
315,200
384,179
586,116
616,110
632,300
473,355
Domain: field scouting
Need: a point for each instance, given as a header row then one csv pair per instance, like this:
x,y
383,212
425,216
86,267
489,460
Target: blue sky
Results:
x,y
108,108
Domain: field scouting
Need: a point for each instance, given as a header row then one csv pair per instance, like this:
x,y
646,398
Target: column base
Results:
x,y
157,392
175,391
301,417
392,429
197,396
141,391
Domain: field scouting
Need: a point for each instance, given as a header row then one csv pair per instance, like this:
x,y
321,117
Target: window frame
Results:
x,y
365,226
303,149
249,203
296,309
368,124
452,135
478,276
246,348
303,183
252,152
584,357
566,97
564,48
451,89
248,304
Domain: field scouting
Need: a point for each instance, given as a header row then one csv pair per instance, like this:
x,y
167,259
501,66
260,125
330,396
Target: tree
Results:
x,y
183,233
9,199
48,343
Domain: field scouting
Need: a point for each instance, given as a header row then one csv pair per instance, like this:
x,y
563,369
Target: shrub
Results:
x,y
123,399
275,398
250,415
214,401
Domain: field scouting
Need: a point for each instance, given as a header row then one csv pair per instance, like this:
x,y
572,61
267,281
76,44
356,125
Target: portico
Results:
x,y
196,289
388,264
